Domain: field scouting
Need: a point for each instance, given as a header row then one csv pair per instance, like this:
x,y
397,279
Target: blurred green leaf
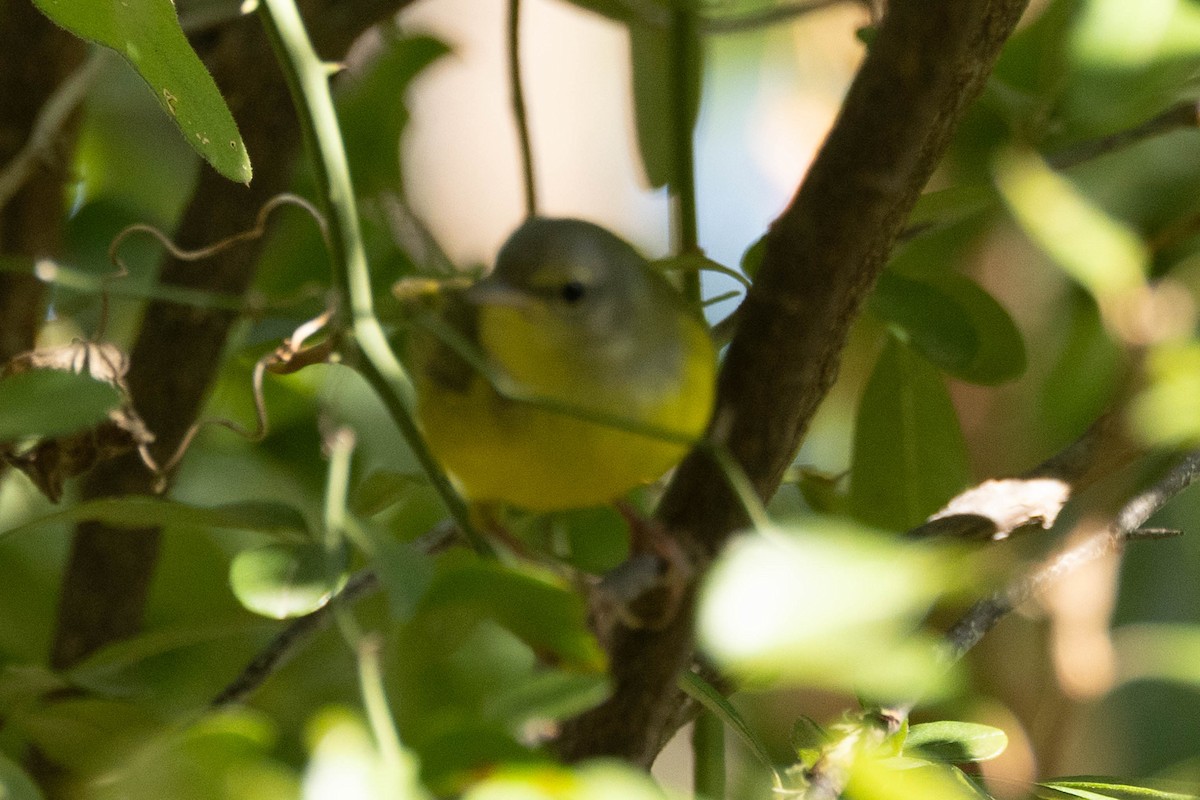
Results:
x,y
1000,356
707,695
146,33
345,763
824,602
404,571
107,670
1096,788
909,452
1102,254
1166,411
927,319
906,778
955,742
534,605
49,402
1158,651
654,106
382,489
548,696
951,205
284,581
597,780
15,783
373,113
132,511
221,756
85,733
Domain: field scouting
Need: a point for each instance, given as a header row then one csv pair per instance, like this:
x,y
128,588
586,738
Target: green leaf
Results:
x,y
146,33
1104,255
927,319
909,452
50,402
281,581
903,778
951,205
1165,411
596,780
1159,651
1000,356
707,695
548,695
532,604
654,104
826,602
753,257
955,742
373,114
1097,788
15,783
404,571
383,489
144,512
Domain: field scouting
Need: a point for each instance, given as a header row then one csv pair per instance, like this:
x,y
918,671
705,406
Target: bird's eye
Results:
x,y
571,292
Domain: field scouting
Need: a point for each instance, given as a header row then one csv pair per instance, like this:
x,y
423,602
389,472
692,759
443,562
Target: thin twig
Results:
x,y
518,104
996,508
50,120
1179,116
289,641
1126,525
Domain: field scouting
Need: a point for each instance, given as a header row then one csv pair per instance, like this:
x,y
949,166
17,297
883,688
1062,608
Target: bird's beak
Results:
x,y
492,292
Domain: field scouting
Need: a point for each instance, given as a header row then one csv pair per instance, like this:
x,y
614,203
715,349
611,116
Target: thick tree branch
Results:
x,y
178,349
928,62
36,58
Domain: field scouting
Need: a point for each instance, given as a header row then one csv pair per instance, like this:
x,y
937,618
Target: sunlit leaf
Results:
x,y
906,778
141,512
1099,252
909,452
599,780
146,33
46,402
826,603
1166,411
1097,788
283,581
956,742
346,764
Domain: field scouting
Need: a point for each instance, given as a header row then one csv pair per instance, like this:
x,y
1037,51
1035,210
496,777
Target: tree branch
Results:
x,y
1125,526
928,62
36,59
996,508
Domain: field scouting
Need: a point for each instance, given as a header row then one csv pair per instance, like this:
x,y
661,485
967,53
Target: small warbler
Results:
x,y
573,317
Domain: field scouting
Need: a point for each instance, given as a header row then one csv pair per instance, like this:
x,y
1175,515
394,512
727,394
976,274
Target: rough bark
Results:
x,y
929,60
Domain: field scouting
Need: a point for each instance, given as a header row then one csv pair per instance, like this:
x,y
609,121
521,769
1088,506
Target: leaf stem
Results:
x,y
518,105
308,81
685,58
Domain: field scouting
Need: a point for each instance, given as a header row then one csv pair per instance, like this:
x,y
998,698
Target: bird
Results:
x,y
566,377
